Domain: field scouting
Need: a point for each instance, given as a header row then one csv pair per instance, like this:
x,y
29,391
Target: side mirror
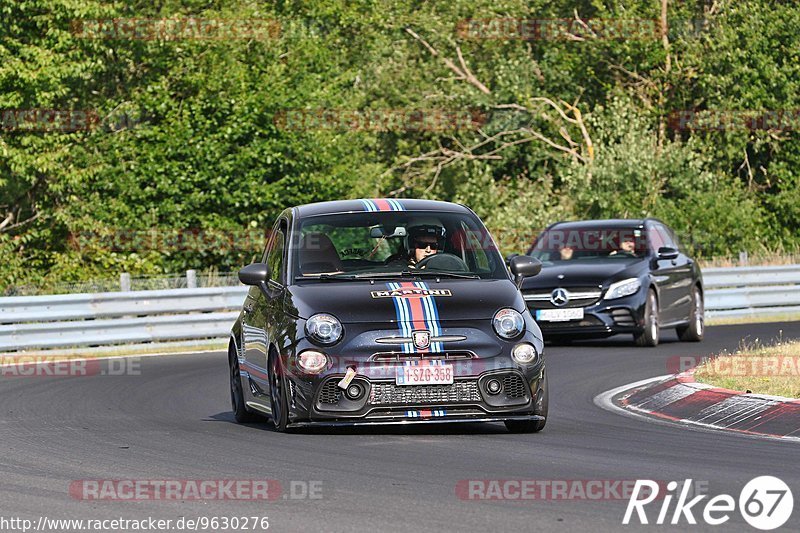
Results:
x,y
254,274
509,257
524,266
665,252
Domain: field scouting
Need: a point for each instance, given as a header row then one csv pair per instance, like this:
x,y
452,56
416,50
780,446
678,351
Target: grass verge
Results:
x,y
772,369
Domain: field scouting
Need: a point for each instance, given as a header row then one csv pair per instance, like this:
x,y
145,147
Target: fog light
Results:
x,y
354,391
493,386
312,361
524,353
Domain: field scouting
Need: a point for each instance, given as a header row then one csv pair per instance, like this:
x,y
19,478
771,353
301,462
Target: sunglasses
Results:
x,y
422,244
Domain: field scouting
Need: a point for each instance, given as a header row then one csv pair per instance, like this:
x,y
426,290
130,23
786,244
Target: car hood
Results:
x,y
584,273
453,299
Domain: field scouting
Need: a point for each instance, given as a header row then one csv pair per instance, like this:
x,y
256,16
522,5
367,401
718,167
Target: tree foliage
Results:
x,y
186,160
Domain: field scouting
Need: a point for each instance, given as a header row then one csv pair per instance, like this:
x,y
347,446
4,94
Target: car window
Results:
x,y
367,243
275,257
478,259
353,243
589,243
666,237
656,239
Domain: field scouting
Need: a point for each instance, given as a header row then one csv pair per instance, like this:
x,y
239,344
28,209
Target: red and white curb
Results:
x,y
680,399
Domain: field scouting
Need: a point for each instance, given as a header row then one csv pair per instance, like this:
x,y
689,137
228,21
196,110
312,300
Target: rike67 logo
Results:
x,y
765,503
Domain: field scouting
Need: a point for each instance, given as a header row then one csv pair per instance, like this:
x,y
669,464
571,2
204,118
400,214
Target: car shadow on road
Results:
x,y
411,428
609,342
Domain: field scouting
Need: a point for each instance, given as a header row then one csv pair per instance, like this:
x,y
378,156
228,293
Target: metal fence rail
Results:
x,y
752,291
108,318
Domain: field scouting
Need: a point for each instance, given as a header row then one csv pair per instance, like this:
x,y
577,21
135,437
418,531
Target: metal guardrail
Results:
x,y
67,320
181,314
740,292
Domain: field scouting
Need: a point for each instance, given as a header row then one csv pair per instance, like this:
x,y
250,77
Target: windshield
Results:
x,y
589,244
411,243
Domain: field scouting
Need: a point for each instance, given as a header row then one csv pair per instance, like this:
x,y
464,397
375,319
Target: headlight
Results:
x,y
312,361
324,328
626,287
508,323
524,353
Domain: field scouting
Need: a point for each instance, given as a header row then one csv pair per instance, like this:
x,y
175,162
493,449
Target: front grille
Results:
x,y
514,386
451,355
623,317
330,393
578,297
391,394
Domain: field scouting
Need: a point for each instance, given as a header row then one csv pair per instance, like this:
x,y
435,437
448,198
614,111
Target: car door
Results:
x,y
669,275
257,315
684,278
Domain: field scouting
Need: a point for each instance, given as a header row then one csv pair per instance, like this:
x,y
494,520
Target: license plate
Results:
x,y
559,315
424,375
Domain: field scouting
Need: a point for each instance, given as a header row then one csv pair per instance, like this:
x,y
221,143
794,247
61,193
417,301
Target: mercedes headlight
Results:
x,y
508,323
626,287
324,328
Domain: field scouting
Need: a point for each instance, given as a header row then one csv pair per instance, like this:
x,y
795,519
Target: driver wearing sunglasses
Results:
x,y
424,241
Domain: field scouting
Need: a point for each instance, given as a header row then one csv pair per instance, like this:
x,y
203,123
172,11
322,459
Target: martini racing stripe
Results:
x,y
415,312
403,314
431,316
426,413
382,204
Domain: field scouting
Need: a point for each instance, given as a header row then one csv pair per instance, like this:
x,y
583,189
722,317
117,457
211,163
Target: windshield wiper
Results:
x,y
327,277
431,273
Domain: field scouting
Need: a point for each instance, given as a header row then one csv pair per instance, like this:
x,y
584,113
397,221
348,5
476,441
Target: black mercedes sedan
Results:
x,y
604,277
385,311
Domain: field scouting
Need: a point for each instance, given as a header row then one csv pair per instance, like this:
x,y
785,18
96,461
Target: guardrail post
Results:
x,y
191,279
743,258
125,282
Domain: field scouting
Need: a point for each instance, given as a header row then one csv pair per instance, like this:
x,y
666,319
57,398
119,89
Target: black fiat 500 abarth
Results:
x,y
386,311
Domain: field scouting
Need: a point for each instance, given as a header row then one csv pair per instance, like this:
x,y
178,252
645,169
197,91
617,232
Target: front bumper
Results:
x,y
443,420
600,319
468,399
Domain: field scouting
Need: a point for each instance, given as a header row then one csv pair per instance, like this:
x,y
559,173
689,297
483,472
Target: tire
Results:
x,y
277,394
694,331
649,336
241,413
541,408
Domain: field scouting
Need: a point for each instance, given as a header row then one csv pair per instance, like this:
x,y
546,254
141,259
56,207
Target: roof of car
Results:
x,y
609,223
377,204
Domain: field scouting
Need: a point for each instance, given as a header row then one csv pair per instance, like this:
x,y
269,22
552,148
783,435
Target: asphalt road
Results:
x,y
171,420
